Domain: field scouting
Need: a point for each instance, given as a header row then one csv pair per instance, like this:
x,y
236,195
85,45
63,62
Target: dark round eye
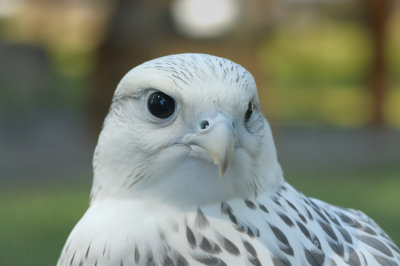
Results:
x,y
249,111
161,105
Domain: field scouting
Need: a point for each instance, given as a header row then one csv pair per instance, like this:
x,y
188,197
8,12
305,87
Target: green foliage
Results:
x,y
393,51
73,63
319,73
322,53
338,106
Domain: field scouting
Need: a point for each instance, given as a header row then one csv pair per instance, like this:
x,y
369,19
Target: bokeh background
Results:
x,y
328,73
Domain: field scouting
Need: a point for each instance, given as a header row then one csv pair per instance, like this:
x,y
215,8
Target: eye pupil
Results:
x,y
161,105
249,112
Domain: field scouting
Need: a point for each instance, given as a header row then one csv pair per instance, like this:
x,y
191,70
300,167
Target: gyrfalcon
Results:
x,y
186,173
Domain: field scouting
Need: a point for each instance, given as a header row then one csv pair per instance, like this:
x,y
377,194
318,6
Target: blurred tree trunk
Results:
x,y
141,30
377,12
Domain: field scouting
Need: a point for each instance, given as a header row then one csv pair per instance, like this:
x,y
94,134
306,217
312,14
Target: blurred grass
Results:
x,y
37,220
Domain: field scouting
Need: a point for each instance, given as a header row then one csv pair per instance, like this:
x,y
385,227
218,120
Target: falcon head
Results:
x,y
187,129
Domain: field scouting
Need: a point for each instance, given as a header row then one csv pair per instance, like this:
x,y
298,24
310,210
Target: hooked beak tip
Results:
x,y
225,162
222,170
218,140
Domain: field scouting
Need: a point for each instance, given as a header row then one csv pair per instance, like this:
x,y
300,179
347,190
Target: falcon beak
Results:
x,y
217,137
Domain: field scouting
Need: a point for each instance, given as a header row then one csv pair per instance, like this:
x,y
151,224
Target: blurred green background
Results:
x,y
328,74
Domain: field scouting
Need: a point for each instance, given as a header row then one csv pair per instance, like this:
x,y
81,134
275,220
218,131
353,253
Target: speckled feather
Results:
x,y
158,201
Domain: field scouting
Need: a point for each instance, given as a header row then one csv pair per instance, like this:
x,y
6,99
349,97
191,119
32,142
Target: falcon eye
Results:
x,y
248,112
161,105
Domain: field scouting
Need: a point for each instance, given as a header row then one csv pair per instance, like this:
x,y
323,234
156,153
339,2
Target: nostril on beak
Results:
x,y
204,124
233,125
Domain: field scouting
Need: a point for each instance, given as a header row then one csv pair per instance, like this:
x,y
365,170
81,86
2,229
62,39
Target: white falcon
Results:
x,y
186,173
